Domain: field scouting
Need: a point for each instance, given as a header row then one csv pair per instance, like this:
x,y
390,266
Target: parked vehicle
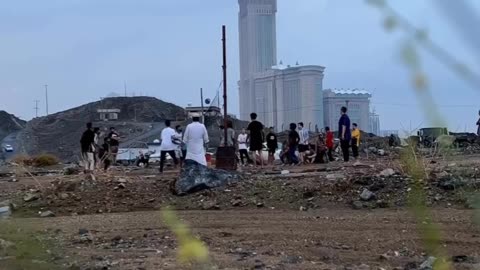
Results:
x,y
7,148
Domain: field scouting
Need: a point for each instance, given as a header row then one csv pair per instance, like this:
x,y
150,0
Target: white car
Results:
x,y
8,148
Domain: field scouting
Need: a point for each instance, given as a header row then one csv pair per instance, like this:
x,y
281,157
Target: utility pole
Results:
x,y
201,99
46,98
36,107
224,43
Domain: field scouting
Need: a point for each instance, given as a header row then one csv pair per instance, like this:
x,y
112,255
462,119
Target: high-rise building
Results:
x,y
357,103
279,94
374,123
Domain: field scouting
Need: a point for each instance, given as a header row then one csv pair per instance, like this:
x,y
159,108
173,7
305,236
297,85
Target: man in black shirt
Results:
x,y
272,145
255,137
87,144
293,141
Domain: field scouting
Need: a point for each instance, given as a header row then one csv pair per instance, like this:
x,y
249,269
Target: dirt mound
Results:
x,y
9,123
59,133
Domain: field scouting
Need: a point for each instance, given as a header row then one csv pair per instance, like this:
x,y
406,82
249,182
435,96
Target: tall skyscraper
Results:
x,y
258,47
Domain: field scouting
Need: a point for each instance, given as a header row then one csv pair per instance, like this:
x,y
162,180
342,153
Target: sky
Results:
x,y
86,49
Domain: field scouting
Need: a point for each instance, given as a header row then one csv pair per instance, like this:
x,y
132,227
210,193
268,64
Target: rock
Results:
x,y
367,195
71,170
381,152
29,197
4,245
210,206
372,150
195,177
85,238
335,176
292,260
442,175
387,172
83,231
5,203
64,196
381,204
438,197
236,202
363,267
259,265
411,266
5,211
357,205
462,259
285,172
428,263
121,185
122,180
260,205
303,208
47,214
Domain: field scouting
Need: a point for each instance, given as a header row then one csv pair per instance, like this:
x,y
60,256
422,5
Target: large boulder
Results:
x,y
195,177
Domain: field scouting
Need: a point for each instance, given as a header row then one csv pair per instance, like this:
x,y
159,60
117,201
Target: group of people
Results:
x,y
96,154
297,149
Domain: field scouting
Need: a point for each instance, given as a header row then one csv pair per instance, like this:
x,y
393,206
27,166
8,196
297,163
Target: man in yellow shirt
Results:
x,y
355,140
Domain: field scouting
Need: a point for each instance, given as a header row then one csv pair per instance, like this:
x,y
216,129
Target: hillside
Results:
x,y
9,123
60,133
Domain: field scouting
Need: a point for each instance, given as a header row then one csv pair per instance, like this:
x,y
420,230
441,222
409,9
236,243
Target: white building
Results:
x,y
357,103
279,94
374,123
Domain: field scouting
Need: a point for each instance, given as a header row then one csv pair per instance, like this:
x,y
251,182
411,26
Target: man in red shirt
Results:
x,y
330,144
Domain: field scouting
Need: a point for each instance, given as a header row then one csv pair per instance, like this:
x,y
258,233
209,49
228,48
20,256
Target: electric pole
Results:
x,y
46,98
201,100
36,107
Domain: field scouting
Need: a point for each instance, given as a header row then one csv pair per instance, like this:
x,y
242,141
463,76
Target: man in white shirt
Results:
x,y
304,141
195,137
167,146
242,146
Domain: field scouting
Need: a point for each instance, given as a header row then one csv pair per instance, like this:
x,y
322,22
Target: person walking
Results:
x,y
329,142
344,133
355,140
180,151
272,145
87,144
256,138
304,141
242,147
167,146
196,137
293,141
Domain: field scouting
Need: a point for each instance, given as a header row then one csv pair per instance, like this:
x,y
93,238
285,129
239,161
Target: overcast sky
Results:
x,y
86,49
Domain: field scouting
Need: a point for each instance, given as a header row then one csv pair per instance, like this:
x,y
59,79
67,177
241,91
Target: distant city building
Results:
x,y
208,111
279,94
374,123
386,133
356,101
108,114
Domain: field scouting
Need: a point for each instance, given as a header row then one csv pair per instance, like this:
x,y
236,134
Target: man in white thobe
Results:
x,y
195,137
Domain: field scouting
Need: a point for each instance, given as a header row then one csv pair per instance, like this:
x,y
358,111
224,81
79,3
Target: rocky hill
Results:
x,y
9,123
60,133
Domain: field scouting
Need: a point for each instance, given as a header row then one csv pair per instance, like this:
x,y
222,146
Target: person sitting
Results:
x,y
321,149
284,153
310,155
143,159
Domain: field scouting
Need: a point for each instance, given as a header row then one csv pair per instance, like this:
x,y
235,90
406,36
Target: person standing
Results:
x,y
196,137
344,133
87,143
167,146
304,141
293,141
256,138
272,145
355,140
96,142
478,124
230,135
114,141
178,141
242,147
329,142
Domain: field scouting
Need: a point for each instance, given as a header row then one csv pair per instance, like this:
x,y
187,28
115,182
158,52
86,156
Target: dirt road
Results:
x,y
267,239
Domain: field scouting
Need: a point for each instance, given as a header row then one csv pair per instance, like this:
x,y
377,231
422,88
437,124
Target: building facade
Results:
x,y
374,123
258,47
357,103
285,95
